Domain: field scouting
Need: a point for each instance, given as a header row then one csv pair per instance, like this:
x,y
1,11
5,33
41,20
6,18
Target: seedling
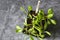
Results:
x,y
36,23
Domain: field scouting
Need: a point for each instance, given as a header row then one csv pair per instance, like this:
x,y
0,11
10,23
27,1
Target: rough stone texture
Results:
x,y
11,15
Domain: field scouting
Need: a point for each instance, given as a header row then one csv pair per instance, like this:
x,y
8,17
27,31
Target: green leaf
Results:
x,y
29,8
18,29
30,16
40,39
49,16
22,8
45,26
25,23
30,30
42,36
39,29
48,22
53,21
41,12
35,21
40,15
50,11
48,33
31,38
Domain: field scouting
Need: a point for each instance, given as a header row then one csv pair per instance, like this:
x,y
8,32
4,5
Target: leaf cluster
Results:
x,y
39,23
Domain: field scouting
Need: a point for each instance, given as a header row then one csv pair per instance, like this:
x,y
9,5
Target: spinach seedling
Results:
x,y
36,23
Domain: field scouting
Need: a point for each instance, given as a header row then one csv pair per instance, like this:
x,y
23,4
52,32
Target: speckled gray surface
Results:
x,y
11,15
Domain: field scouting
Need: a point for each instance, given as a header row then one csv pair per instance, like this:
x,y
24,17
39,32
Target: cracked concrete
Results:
x,y
11,15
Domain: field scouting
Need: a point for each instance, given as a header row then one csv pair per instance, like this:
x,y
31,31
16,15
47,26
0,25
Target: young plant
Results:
x,y
36,24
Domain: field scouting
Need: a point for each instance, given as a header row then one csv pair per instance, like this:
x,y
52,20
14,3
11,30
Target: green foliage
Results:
x,y
30,16
22,8
49,16
53,21
48,33
50,11
31,38
40,15
39,23
40,39
41,12
29,8
18,29
45,25
48,22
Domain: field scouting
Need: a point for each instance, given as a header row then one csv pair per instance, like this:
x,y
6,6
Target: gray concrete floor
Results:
x,y
11,15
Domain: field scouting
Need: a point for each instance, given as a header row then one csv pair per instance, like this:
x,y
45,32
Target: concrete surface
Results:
x,y
11,15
